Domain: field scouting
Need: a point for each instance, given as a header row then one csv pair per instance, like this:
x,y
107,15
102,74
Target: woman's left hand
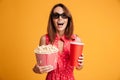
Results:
x,y
80,62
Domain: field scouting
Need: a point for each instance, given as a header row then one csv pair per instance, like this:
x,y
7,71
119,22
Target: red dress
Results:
x,y
64,70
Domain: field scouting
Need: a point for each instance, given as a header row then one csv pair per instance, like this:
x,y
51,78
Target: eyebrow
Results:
x,y
58,13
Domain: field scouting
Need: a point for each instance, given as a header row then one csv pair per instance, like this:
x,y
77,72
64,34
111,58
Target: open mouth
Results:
x,y
60,23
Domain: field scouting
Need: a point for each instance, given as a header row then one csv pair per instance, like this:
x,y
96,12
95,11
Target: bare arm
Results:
x,y
42,40
42,69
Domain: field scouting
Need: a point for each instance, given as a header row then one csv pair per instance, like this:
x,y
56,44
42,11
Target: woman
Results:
x,y
60,34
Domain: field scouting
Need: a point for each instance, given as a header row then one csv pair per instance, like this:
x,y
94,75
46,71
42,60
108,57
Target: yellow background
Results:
x,y
97,22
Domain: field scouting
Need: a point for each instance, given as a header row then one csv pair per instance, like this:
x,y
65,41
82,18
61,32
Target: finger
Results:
x,y
81,57
80,60
80,64
82,54
46,69
49,70
42,67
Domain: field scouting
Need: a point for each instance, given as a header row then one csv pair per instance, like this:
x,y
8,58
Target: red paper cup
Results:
x,y
47,59
76,49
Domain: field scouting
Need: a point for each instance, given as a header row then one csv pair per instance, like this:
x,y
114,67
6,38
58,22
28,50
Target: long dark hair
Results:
x,y
51,28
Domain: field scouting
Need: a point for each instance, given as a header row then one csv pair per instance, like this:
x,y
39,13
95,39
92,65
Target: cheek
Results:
x,y
55,22
66,21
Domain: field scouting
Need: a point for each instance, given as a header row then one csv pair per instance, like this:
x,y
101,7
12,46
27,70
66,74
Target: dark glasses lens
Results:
x,y
57,15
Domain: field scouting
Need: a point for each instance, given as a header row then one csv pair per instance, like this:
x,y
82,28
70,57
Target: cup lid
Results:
x,y
78,43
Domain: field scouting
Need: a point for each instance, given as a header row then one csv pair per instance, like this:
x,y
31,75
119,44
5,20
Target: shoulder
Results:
x,y
78,39
42,40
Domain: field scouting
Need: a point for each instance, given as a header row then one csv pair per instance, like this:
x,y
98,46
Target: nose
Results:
x,y
60,17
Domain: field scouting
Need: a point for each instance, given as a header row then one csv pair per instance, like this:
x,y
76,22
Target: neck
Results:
x,y
61,33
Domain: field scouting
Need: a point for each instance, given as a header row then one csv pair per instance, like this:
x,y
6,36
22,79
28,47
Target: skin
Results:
x,y
60,31
60,28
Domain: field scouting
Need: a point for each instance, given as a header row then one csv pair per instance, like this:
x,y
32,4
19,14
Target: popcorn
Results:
x,y
46,55
46,49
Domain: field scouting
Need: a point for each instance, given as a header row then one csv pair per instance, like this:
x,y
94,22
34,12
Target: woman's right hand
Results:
x,y
42,69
